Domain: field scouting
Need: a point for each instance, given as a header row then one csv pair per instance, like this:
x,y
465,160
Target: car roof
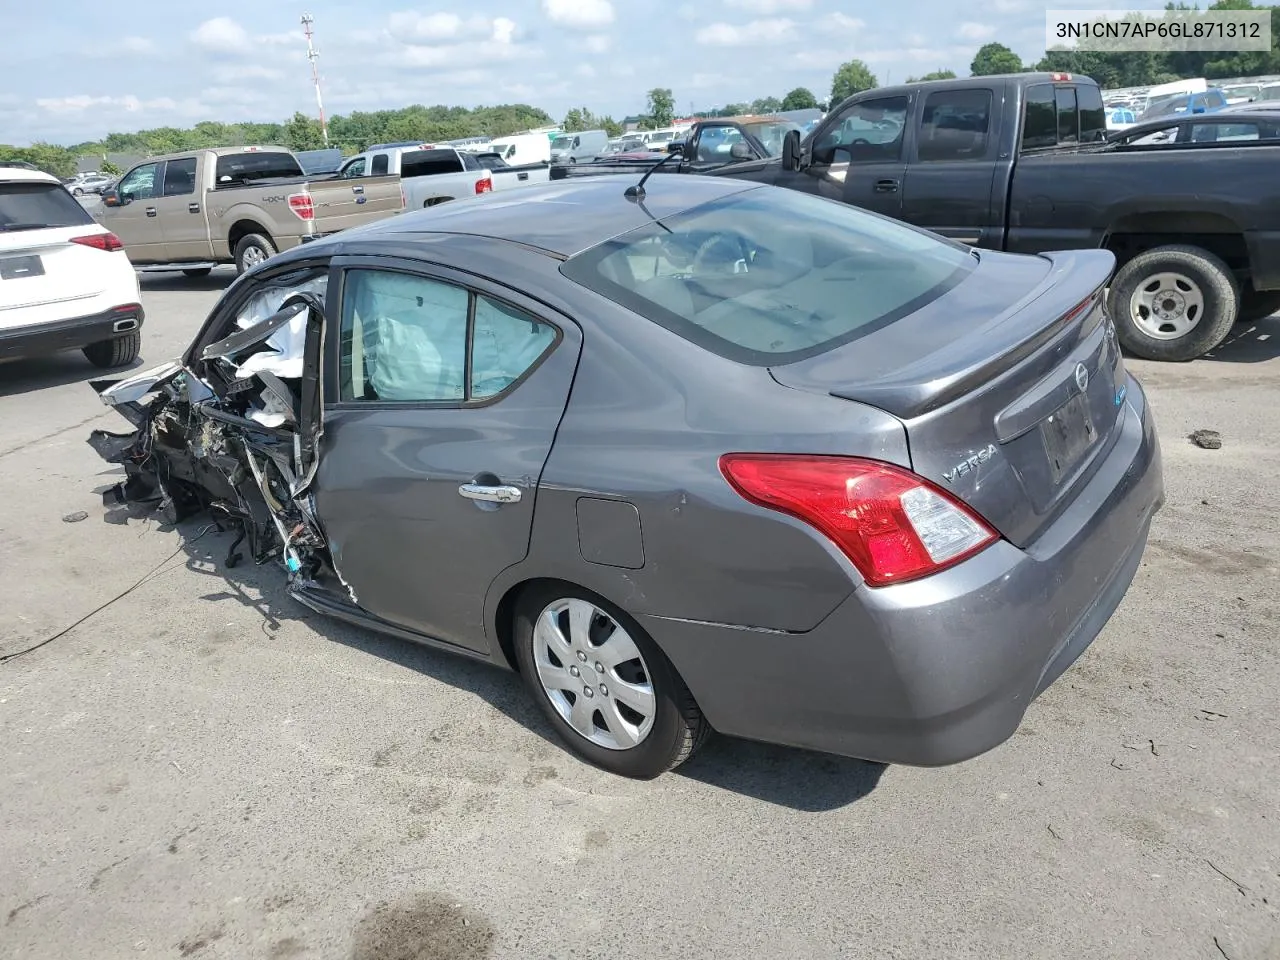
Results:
x,y
563,217
21,173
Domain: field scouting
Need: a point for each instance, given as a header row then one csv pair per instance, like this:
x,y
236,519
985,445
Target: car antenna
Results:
x,y
636,191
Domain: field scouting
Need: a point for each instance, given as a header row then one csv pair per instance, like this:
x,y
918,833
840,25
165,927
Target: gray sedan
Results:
x,y
703,455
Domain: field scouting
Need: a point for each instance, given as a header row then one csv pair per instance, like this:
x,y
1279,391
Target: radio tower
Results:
x,y
307,21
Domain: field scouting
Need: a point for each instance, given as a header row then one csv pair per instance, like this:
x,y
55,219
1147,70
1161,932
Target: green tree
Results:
x,y
59,161
935,75
611,126
580,118
766,105
801,98
662,107
302,133
852,77
109,168
993,58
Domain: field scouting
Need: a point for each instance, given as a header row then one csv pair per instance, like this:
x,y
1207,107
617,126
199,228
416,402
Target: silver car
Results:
x,y
698,455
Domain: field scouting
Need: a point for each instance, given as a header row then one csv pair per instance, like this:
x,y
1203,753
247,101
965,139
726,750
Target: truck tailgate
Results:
x,y
340,204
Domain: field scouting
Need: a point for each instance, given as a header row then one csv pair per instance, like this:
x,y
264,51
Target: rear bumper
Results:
x,y
942,669
71,334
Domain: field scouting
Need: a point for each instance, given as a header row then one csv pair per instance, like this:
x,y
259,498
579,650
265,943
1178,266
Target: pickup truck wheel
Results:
x,y
116,352
1173,303
197,272
252,250
1257,305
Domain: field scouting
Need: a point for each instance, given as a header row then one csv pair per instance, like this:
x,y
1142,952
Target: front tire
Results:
x,y
603,684
116,352
1173,303
252,250
78,192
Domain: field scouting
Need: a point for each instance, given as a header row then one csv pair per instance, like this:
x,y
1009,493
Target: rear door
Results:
x,y
43,274
441,406
858,155
183,220
949,185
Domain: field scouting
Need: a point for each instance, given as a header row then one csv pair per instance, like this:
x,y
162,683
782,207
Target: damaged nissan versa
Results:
x,y
709,455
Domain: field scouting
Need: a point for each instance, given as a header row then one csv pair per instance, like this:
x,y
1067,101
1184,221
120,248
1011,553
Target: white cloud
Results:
x,y
135,45
236,73
977,31
769,6
599,43
127,103
502,30
842,23
585,14
747,34
434,27
221,35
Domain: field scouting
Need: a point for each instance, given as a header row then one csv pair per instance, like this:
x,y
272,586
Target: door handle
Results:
x,y
886,186
193,208
357,189
151,211
490,494
522,176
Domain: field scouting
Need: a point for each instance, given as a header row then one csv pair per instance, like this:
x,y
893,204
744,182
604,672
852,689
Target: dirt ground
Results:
x,y
205,769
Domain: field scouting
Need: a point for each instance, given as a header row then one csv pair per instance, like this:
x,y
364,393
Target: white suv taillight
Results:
x,y
100,241
302,205
891,523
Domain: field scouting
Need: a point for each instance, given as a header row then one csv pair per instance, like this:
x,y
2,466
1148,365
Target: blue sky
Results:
x,y
77,69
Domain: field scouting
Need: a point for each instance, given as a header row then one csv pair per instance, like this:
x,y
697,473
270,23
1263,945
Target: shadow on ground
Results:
x,y
792,778
1249,343
55,370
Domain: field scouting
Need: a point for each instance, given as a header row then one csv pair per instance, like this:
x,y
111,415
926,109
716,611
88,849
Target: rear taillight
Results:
x,y
484,186
100,241
302,205
892,524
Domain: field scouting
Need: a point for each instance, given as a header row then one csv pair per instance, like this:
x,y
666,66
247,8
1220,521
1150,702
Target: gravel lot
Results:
x,y
205,769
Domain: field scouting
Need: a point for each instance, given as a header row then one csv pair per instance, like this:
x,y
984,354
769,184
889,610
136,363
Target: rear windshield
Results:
x,y
424,163
237,168
772,276
30,206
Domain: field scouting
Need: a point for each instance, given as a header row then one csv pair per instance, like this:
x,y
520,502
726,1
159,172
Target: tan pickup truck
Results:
x,y
190,211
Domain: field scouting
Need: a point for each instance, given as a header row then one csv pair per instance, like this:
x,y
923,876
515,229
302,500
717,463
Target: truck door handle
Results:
x,y
490,494
357,189
886,186
522,176
193,208
151,211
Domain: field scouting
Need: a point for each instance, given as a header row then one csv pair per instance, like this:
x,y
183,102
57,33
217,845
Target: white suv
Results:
x,y
65,281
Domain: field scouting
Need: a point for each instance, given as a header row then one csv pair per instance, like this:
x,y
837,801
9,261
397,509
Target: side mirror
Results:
x,y
742,151
791,150
675,146
110,198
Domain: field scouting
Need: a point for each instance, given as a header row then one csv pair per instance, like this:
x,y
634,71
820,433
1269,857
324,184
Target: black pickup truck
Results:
x,y
1022,163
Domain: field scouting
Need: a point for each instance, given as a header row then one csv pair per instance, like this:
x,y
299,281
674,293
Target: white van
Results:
x,y
522,148
581,147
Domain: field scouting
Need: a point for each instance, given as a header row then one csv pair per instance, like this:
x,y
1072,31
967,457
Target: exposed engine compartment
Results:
x,y
234,431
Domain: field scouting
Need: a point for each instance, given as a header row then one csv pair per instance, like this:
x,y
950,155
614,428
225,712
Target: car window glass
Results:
x,y
865,132
253,165
1093,115
1068,116
140,182
955,125
770,276
180,177
380,164
403,338
1039,118
355,168
714,144
505,343
48,204
1218,132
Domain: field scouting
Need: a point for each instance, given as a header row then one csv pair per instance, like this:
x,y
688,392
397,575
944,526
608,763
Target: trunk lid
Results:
x,y
1010,386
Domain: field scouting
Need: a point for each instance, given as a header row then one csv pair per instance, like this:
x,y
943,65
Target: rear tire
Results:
x,y
116,352
78,192
1257,305
1173,303
671,731
197,272
252,250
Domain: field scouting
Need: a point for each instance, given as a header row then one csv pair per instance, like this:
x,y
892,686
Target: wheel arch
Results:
x,y
242,228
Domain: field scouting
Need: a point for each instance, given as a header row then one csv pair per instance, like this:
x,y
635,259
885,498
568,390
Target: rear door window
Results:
x,y
955,125
27,205
381,163
180,177
772,276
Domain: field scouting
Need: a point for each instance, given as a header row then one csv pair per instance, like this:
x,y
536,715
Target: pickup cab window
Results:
x,y
1068,115
355,168
241,168
381,164
425,163
1063,114
180,177
139,183
955,125
866,131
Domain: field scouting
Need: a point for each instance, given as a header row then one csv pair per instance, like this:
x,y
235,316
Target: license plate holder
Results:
x,y
19,268
1067,433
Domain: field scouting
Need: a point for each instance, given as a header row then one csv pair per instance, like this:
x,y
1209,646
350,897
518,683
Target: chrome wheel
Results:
x,y
253,256
592,673
1166,306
